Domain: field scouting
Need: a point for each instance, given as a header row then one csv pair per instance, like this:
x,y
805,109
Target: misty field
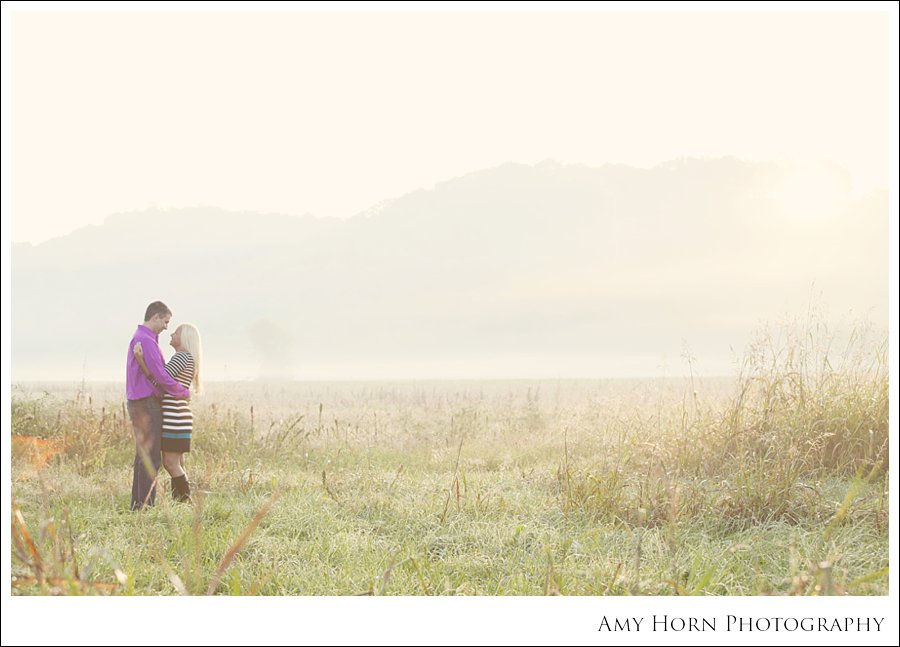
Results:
x,y
773,481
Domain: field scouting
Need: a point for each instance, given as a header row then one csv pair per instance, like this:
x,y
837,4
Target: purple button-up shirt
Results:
x,y
137,385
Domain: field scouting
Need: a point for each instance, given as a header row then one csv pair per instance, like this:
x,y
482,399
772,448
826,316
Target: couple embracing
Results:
x,y
158,396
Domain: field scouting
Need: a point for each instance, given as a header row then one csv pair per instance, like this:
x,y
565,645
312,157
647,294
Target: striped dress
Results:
x,y
178,422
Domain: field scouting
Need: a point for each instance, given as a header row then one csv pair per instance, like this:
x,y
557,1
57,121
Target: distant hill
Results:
x,y
518,266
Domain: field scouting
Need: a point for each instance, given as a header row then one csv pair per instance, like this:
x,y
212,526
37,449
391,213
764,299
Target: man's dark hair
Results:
x,y
156,308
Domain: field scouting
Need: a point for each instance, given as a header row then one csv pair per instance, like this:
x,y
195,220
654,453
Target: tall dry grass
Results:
x,y
603,487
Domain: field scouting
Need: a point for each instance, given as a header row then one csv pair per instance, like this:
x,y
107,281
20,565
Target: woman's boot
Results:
x,y
181,489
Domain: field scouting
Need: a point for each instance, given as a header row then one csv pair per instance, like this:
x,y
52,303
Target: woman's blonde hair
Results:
x,y
190,341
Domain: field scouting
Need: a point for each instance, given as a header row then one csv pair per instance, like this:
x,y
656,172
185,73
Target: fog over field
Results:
x,y
518,271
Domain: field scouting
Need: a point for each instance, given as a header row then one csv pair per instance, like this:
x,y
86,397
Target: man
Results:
x,y
143,402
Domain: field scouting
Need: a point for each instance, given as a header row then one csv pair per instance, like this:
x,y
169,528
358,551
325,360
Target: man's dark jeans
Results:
x,y
146,422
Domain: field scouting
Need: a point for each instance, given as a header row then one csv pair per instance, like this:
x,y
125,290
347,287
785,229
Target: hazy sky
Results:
x,y
332,113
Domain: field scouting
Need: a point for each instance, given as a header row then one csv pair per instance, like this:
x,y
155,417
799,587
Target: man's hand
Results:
x,y
138,350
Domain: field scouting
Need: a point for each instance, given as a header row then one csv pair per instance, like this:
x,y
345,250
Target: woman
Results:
x,y
178,421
